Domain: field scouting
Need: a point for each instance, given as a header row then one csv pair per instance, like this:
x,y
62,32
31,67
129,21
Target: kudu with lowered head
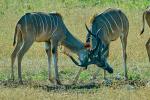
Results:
x,y
48,28
107,26
146,16
101,63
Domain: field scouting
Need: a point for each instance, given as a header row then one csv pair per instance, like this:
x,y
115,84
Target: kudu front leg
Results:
x,y
55,61
104,54
148,48
77,75
48,52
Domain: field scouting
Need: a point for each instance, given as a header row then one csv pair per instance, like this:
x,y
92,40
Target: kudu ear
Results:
x,y
87,45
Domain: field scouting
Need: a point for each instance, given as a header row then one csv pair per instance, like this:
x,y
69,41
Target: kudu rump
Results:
x,y
48,28
146,15
106,27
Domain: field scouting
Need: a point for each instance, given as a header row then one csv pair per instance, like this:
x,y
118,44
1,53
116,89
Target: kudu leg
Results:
x,y
13,57
77,76
148,48
95,74
124,44
105,54
55,61
24,48
48,52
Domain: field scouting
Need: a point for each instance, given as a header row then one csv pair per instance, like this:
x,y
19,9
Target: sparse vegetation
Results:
x,y
75,13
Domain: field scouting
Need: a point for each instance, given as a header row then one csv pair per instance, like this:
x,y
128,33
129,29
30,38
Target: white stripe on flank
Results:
x,y
43,30
50,23
108,23
35,23
55,27
114,21
39,20
121,21
54,24
105,25
46,23
108,32
98,31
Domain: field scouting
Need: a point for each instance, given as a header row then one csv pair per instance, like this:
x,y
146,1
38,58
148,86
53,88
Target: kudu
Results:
x,y
48,28
146,15
107,26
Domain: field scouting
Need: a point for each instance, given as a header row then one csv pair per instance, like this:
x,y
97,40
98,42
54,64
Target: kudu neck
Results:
x,y
72,43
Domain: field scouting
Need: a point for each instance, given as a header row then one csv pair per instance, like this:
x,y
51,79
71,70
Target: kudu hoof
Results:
x,y
51,80
107,82
126,78
58,82
118,76
20,82
93,77
12,78
74,82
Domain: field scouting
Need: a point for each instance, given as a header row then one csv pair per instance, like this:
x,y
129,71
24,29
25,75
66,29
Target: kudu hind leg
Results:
x,y
148,48
106,55
24,48
13,57
124,44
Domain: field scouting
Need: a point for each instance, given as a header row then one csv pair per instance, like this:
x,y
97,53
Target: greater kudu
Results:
x,y
146,15
48,28
107,26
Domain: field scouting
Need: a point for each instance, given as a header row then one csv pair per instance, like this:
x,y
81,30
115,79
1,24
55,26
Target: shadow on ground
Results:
x,y
133,84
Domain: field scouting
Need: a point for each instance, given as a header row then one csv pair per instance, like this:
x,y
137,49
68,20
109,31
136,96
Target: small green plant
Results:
x,y
134,76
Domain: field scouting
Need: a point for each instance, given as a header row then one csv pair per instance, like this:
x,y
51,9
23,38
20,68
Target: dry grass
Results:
x,y
35,62
27,93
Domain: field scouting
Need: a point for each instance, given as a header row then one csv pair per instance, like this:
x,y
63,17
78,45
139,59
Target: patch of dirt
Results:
x,y
115,84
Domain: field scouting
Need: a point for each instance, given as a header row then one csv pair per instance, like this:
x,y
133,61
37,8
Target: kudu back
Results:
x,y
146,16
48,28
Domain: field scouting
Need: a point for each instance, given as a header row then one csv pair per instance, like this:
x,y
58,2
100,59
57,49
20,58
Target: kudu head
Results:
x,y
88,57
83,56
95,55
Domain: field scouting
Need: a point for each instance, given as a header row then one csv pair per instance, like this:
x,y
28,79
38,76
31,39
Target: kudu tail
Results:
x,y
143,23
17,30
15,36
